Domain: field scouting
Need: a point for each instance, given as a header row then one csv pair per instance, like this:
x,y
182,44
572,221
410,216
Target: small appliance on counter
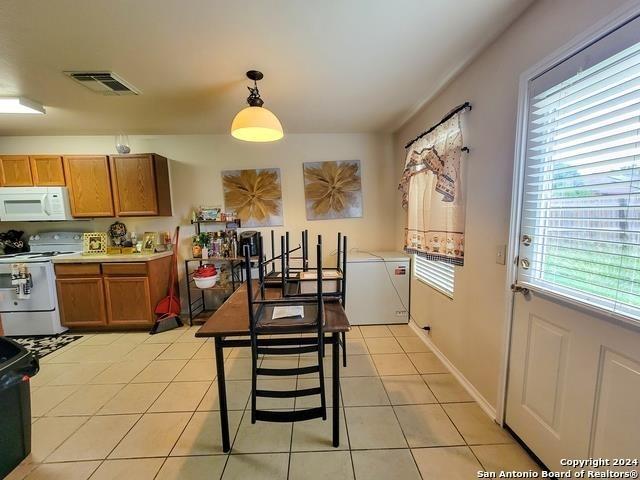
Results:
x,y
28,204
249,238
35,312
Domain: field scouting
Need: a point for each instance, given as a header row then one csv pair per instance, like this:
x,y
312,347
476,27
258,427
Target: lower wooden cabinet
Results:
x,y
81,302
128,300
111,295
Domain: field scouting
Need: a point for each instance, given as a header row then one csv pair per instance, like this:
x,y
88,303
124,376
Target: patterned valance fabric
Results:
x,y
433,196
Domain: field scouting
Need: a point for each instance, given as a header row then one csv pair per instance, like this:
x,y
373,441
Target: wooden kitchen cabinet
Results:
x,y
112,295
15,171
89,185
47,170
140,185
82,302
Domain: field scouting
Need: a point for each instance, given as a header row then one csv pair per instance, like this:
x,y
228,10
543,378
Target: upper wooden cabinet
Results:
x,y
89,185
15,171
47,170
140,185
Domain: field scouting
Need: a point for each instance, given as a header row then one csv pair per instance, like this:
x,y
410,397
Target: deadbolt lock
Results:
x,y
526,240
518,289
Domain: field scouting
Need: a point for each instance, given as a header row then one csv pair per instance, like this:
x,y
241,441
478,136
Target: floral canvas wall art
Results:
x,y
333,189
255,195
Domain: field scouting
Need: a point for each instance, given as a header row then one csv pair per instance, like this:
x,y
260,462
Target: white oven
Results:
x,y
19,204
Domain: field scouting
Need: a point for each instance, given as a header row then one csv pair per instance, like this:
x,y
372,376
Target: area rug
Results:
x,y
42,345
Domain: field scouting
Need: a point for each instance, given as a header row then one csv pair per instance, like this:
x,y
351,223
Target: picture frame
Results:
x,y
94,243
149,242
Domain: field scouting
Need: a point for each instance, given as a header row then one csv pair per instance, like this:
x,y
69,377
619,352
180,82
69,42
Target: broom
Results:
x,y
169,307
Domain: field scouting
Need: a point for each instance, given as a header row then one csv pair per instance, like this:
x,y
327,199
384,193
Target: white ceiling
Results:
x,y
329,65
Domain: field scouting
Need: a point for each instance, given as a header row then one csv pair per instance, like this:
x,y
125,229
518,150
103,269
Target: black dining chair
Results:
x,y
262,324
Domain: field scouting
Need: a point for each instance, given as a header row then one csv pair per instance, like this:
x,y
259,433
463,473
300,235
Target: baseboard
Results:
x,y
468,386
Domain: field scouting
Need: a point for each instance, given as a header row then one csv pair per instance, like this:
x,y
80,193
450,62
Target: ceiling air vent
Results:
x,y
106,83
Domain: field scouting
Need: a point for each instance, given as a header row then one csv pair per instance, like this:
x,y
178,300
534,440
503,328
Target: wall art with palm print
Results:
x,y
332,189
255,195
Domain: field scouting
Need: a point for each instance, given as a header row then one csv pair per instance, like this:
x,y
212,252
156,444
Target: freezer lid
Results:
x,y
377,256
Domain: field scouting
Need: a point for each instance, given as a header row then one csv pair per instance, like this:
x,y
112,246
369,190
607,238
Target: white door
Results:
x,y
573,387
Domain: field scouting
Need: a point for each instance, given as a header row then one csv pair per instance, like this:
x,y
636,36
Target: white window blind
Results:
x,y
439,275
580,231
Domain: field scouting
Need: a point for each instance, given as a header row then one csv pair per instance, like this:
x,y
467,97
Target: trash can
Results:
x,y
17,365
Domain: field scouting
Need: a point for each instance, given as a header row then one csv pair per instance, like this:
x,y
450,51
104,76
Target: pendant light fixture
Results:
x,y
255,123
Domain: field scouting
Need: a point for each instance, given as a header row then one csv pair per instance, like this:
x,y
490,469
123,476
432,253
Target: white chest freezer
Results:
x,y
378,287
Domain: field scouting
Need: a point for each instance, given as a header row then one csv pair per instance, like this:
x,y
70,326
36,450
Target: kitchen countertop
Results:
x,y
134,257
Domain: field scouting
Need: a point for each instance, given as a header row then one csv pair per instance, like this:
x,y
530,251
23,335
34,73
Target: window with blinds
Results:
x,y
439,275
580,230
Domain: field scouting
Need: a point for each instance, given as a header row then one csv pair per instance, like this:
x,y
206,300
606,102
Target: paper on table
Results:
x,y
288,312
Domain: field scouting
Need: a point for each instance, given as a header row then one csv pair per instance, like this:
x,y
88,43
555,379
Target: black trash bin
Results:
x,y
17,365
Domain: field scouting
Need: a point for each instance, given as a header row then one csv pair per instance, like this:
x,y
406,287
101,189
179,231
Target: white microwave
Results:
x,y
31,204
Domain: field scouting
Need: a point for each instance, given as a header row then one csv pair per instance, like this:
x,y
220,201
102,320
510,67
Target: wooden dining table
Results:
x,y
229,326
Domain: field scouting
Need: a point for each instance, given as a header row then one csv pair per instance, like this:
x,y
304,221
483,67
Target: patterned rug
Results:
x,y
42,345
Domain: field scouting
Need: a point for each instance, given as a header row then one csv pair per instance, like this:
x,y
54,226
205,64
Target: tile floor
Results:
x,y
134,406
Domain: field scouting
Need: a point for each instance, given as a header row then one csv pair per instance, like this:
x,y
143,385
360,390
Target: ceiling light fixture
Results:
x,y
20,105
255,123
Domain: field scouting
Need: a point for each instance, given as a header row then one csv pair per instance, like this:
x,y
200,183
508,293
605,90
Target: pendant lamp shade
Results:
x,y
256,124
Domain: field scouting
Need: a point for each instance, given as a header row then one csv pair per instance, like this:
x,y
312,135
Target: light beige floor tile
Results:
x,y
103,339
138,469
120,372
133,398
357,366
257,466
180,397
407,390
383,345
363,391
48,372
45,398
179,351
385,465
63,471
475,426
202,436
427,363
354,332
237,369
207,350
95,439
413,345
452,463
49,432
370,331
189,336
427,426
314,400
192,468
317,434
155,434
401,330
320,466
146,351
169,336
237,396
393,364
496,458
197,370
356,346
160,371
134,338
78,374
262,437
280,362
374,427
446,388
86,400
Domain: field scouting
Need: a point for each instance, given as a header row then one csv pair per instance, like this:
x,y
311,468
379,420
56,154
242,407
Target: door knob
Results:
x,y
518,289
526,240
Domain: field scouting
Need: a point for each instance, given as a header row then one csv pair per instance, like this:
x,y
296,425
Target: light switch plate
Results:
x,y
501,254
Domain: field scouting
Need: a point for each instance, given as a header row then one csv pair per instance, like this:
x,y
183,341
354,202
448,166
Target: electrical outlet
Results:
x,y
501,254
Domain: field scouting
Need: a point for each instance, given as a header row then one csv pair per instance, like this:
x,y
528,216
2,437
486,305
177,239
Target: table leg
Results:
x,y
222,396
335,360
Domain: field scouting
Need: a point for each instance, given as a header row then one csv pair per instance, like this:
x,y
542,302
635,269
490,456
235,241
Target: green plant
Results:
x,y
204,239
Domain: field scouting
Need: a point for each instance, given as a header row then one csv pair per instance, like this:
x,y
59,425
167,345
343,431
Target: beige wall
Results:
x,y
196,162
469,328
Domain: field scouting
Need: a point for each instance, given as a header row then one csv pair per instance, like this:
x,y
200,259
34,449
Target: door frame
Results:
x,y
606,25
